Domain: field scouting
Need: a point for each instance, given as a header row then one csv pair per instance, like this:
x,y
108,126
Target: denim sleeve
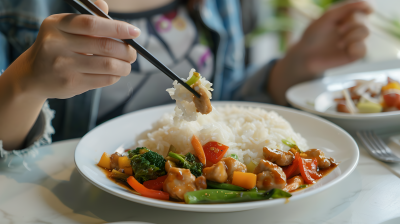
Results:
x,y
4,53
40,133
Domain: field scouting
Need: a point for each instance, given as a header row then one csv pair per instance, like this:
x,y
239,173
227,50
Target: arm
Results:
x,y
68,58
335,39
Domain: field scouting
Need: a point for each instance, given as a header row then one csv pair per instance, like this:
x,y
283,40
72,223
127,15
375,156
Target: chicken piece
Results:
x,y
168,165
269,176
281,158
232,165
114,160
203,104
178,182
294,183
201,183
216,172
323,162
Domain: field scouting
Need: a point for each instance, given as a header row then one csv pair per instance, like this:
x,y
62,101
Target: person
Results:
x,y
65,62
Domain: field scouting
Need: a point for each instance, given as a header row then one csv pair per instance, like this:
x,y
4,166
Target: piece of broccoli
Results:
x,y
146,164
188,161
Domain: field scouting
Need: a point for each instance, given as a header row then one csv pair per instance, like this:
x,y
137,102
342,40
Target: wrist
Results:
x,y
17,88
290,70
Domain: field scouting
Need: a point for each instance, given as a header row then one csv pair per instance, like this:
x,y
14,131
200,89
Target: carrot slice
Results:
x,y
198,149
145,191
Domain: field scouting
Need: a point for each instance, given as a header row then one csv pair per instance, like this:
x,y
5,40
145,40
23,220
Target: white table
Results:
x,y
53,191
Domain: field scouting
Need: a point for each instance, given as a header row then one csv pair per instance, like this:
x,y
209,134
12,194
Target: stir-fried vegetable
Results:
x,y
198,149
224,186
245,180
293,169
251,166
146,164
212,196
105,161
156,184
308,170
292,144
145,191
214,151
234,156
195,77
188,162
115,174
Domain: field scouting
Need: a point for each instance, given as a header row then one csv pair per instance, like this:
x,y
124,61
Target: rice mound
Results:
x,y
245,130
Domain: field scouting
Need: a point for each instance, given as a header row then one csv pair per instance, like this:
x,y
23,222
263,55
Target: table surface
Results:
x,y
53,191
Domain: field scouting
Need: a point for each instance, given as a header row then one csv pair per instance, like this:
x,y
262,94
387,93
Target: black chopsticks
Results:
x,y
87,7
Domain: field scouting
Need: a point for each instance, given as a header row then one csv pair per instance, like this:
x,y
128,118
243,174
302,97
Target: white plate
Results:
x,y
317,97
121,132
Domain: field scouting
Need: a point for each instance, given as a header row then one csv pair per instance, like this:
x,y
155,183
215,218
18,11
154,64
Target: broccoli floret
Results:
x,y
188,161
146,164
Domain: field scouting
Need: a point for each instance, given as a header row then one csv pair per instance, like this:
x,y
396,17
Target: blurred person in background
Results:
x,y
57,62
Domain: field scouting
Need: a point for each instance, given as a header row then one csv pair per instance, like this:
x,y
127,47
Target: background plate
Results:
x,y
317,97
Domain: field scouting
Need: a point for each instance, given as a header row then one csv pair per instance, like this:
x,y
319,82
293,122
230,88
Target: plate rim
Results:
x,y
229,207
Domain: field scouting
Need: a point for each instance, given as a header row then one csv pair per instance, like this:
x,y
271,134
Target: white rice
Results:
x,y
245,130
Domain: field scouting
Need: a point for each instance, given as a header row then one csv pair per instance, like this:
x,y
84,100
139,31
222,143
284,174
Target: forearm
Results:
x,y
19,109
288,71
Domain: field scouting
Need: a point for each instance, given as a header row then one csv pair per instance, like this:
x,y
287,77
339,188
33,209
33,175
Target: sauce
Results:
x,y
126,185
118,182
323,172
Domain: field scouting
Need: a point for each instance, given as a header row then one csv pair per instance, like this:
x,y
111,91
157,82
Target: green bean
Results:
x,y
211,196
224,186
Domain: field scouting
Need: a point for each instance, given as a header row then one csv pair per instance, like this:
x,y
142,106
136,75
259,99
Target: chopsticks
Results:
x,y
87,7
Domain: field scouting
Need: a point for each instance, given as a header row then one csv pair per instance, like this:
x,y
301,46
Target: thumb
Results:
x,y
102,5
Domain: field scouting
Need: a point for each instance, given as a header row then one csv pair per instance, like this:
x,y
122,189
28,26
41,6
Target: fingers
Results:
x,y
357,34
97,26
342,11
91,64
102,47
356,50
102,5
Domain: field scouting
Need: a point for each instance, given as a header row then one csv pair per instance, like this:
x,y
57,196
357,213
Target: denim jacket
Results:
x,y
19,25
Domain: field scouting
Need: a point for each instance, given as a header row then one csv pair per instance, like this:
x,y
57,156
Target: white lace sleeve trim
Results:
x,y
31,151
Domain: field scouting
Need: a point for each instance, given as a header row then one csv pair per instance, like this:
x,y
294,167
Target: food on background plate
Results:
x,y
230,154
370,97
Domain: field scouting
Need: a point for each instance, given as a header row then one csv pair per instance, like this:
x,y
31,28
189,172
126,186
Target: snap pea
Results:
x,y
211,196
224,186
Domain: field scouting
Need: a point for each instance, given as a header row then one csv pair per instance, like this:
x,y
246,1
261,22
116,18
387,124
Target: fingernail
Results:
x,y
134,31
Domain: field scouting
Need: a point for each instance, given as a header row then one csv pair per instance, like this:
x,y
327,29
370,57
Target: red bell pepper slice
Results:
x,y
156,184
144,191
214,151
308,170
306,167
293,169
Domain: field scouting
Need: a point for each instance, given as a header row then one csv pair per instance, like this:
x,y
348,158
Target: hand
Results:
x,y
336,38
72,55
